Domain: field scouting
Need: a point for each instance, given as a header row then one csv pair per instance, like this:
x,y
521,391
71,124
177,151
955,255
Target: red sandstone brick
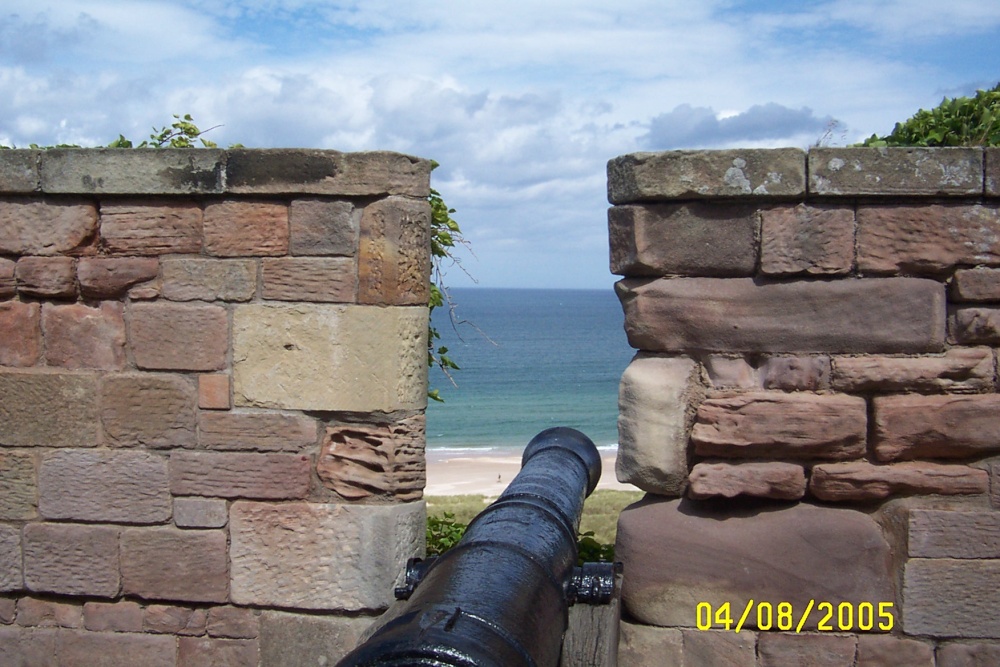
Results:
x,y
20,333
46,277
333,279
233,622
111,278
394,258
71,559
890,651
32,612
246,229
121,616
862,481
18,490
201,279
213,392
171,620
256,431
148,410
172,564
27,646
972,326
198,652
200,513
771,479
958,370
796,373
8,609
807,239
319,227
976,285
240,475
78,336
969,654
112,649
151,227
912,426
167,336
11,558
778,649
8,286
33,226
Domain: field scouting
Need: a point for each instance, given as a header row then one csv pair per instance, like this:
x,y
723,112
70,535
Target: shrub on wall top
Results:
x,y
957,121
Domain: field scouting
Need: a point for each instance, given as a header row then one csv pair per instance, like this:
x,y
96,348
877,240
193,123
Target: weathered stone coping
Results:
x,y
785,173
156,171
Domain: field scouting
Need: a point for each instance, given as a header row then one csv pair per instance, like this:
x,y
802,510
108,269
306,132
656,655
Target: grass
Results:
x,y
600,512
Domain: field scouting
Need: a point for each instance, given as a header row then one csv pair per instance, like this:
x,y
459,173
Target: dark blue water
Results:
x,y
555,359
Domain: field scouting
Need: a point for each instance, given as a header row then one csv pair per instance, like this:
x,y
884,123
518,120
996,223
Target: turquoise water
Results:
x,y
555,359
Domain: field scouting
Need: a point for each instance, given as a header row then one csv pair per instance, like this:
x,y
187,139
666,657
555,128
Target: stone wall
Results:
x,y
212,385
814,408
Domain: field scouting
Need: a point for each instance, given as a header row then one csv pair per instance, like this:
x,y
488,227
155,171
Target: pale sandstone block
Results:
x,y
11,570
958,370
330,357
8,285
911,426
78,336
364,460
293,640
8,610
46,277
121,616
131,172
20,333
992,174
653,400
191,279
951,598
739,315
233,622
779,649
37,227
239,228
71,560
731,372
148,410
807,239
104,485
27,646
321,227
43,409
711,648
196,570
18,489
896,171
394,259
200,513
111,278
256,431
151,227
207,652
115,649
649,646
309,556
779,425
861,481
890,651
320,279
171,620
240,475
796,373
784,481
951,534
167,336
19,170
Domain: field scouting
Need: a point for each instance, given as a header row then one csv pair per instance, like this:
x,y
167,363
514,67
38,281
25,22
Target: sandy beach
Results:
x,y
451,472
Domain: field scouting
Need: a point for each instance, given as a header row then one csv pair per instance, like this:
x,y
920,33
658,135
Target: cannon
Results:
x,y
501,596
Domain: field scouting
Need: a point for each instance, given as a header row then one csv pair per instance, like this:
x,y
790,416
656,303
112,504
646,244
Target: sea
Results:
x,y
530,359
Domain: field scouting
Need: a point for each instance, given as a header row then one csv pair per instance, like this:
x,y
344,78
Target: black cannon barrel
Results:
x,y
500,597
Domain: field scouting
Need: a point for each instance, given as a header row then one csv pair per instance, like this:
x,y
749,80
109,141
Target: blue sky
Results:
x,y
522,102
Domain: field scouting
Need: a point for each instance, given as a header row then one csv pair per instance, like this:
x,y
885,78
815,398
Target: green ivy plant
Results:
x,y
957,121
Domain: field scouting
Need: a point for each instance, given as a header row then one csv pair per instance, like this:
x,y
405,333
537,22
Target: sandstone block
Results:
x,y
690,239
731,372
137,171
78,336
707,649
291,640
33,612
206,652
213,392
18,490
330,357
246,229
927,239
50,227
8,610
961,654
233,622
777,425
48,409
148,410
783,481
807,239
952,534
166,336
150,227
779,649
192,279
19,170
889,651
971,326
653,400
104,485
796,373
971,285
121,616
27,646
680,553
394,261
951,598
363,460
115,649
992,171
256,431
8,285
912,426
71,559
111,277
325,172
323,227
200,513
649,646
196,570
702,174
861,481
20,333
333,279
46,277
896,171
958,370
307,556
11,570
712,314
225,475
167,619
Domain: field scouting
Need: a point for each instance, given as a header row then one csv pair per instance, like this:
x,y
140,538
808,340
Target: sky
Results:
x,y
521,102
